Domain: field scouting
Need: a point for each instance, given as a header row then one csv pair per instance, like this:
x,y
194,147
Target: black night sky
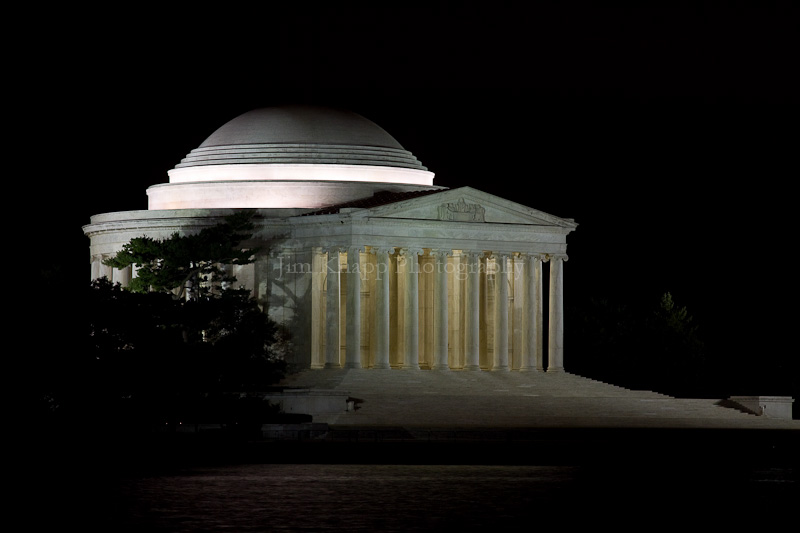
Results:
x,y
669,135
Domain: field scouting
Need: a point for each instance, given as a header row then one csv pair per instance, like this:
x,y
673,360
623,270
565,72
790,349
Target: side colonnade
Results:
x,y
412,308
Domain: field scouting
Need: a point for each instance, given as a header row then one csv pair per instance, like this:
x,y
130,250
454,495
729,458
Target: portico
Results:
x,y
384,308
422,292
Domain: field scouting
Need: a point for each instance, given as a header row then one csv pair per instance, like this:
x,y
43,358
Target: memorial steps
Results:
x,y
502,400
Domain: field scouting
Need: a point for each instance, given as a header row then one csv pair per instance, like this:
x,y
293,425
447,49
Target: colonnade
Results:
x,y
411,308
477,309
99,270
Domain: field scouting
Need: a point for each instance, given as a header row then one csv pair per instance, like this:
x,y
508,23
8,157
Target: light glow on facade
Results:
x,y
301,172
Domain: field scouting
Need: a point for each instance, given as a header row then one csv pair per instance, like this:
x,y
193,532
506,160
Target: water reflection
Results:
x,y
316,497
340,497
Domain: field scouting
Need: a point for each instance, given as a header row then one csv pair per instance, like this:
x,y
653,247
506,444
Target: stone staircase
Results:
x,y
445,400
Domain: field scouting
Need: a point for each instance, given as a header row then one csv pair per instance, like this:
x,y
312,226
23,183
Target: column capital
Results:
x,y
412,250
441,253
355,248
382,250
474,253
333,249
354,261
553,257
409,255
533,256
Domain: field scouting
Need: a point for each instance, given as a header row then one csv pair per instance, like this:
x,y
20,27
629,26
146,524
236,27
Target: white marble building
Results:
x,y
370,264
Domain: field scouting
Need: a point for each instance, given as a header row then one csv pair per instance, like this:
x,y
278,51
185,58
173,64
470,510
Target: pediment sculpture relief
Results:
x,y
461,211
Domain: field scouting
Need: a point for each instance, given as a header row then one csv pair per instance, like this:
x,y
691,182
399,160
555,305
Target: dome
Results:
x,y
291,157
301,135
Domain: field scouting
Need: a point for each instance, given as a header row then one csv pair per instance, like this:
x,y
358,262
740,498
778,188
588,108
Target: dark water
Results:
x,y
347,497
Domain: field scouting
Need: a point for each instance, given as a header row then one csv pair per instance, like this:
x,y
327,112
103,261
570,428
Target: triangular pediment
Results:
x,y
463,205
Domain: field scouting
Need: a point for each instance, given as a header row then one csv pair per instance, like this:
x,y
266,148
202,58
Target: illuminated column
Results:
x,y
332,305
532,315
440,310
501,313
96,264
473,308
317,281
353,329
106,270
382,300
121,276
555,353
411,360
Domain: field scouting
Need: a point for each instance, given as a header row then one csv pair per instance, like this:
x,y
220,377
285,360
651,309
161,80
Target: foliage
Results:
x,y
674,332
192,262
146,352
149,342
655,347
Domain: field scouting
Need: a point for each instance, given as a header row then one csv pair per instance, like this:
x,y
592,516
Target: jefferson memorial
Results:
x,y
366,262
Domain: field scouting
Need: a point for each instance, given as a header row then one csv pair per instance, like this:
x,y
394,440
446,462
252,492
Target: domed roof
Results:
x,y
290,157
301,135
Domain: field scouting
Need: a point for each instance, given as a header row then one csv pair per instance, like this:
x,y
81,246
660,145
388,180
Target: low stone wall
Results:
x,y
768,406
310,401
294,431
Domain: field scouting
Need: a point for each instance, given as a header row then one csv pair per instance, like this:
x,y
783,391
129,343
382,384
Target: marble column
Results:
x,y
352,337
411,310
532,315
500,361
382,300
122,276
473,307
95,268
555,352
332,306
440,311
318,262
106,270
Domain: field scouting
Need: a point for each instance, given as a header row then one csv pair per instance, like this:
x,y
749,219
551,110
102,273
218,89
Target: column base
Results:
x,y
332,365
555,370
410,367
472,367
384,366
440,367
352,365
500,369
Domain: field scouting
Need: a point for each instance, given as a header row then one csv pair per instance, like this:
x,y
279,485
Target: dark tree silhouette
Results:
x,y
189,262
655,347
153,352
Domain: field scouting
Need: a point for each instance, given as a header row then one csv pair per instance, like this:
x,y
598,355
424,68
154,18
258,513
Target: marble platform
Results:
x,y
484,400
